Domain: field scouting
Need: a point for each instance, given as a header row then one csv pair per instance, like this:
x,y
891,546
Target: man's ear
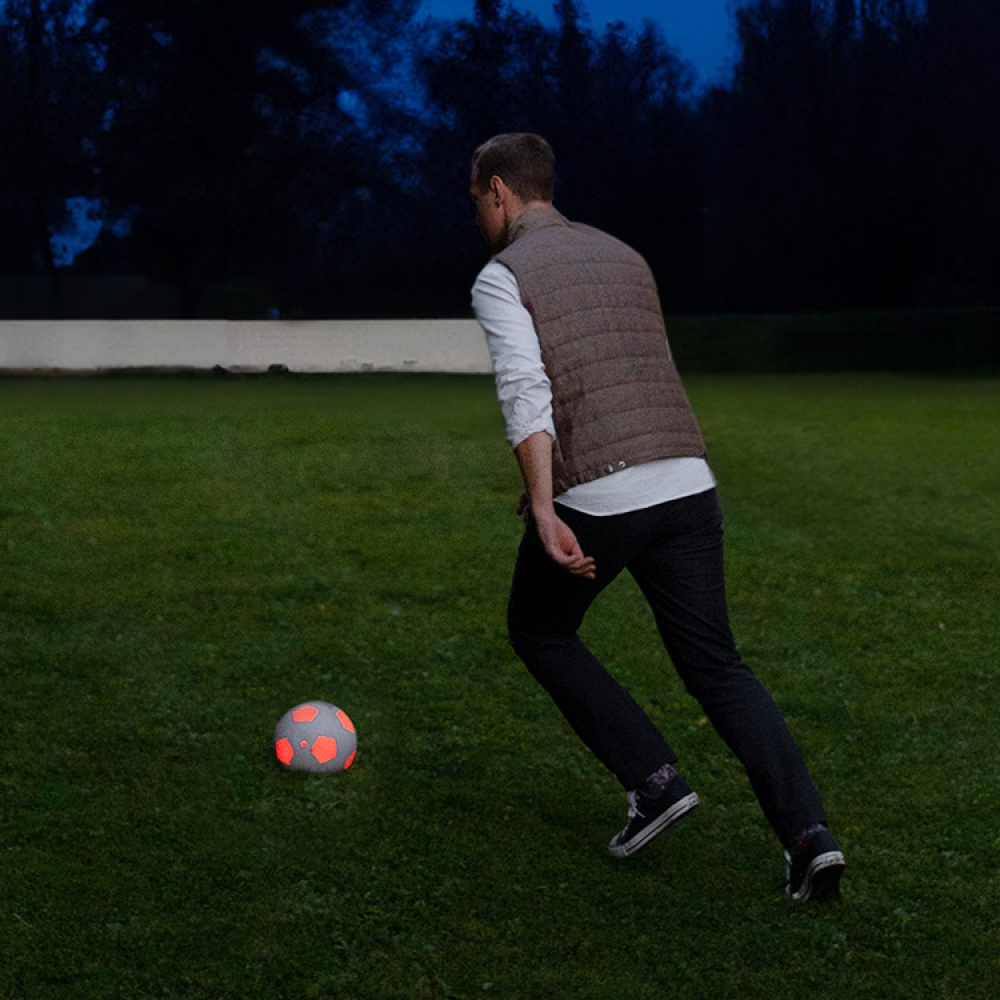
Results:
x,y
498,187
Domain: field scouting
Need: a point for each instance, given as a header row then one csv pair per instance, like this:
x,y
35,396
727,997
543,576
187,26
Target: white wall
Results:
x,y
450,346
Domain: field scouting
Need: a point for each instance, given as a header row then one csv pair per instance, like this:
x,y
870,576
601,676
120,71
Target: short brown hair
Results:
x,y
522,160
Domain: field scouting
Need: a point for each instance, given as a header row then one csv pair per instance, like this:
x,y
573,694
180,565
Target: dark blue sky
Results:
x,y
701,30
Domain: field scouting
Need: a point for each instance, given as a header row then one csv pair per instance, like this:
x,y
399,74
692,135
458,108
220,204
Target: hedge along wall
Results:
x,y
914,340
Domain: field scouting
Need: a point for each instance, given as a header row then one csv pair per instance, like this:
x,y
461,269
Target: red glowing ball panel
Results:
x,y
324,749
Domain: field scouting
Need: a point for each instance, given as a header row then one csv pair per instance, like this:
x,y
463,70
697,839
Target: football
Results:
x,y
315,736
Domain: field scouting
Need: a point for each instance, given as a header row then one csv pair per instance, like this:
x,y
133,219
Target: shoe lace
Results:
x,y
633,806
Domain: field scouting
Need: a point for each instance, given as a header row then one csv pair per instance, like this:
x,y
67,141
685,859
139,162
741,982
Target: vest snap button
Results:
x,y
621,465
609,469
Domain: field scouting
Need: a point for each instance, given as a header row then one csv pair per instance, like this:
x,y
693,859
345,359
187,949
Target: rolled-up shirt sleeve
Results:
x,y
523,388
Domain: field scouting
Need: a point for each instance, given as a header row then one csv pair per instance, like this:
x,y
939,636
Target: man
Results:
x,y
615,478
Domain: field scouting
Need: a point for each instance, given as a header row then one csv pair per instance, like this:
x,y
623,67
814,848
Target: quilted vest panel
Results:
x,y
617,399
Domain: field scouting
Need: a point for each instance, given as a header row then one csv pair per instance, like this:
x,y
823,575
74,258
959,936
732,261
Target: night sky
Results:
x,y
701,30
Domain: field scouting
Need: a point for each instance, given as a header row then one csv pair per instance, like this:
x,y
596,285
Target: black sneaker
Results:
x,y
814,872
648,816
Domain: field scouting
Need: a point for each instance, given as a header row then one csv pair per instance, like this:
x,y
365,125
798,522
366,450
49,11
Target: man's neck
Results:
x,y
525,209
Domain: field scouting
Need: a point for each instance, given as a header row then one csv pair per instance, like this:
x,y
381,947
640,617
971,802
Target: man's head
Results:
x,y
523,161
510,172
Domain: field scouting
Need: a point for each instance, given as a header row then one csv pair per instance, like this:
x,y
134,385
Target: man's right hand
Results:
x,y
561,545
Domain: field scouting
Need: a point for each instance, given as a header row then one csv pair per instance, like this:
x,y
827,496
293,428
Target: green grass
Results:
x,y
183,560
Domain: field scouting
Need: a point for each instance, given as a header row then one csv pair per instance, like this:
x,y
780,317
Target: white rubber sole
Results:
x,y
822,878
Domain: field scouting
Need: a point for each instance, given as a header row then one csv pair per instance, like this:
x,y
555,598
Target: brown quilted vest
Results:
x,y
617,399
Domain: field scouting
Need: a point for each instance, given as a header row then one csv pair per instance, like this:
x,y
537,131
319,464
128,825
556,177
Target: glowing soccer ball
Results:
x,y
315,736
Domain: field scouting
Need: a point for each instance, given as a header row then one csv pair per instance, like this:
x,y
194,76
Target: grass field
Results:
x,y
183,560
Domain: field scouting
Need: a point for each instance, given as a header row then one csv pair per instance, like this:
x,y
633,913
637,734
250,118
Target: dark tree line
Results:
x,y
319,149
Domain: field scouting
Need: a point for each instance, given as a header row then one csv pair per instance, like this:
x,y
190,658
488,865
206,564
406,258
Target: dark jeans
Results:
x,y
674,552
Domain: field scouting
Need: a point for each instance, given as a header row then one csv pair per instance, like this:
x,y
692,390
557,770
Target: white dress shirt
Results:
x,y
525,395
